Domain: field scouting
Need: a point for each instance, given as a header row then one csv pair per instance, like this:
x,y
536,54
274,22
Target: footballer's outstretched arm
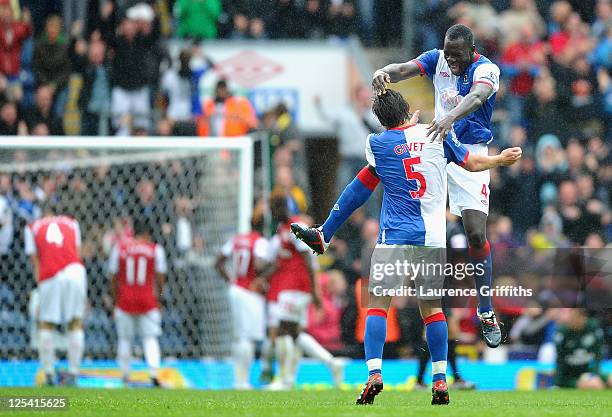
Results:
x,y
393,73
476,162
354,196
439,129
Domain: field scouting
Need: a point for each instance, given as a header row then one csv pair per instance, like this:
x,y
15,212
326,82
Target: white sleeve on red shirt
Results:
x,y
273,248
226,249
30,245
113,260
161,266
77,234
261,249
487,74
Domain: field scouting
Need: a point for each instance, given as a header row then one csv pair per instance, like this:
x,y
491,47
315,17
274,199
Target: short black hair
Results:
x,y
391,109
141,226
463,32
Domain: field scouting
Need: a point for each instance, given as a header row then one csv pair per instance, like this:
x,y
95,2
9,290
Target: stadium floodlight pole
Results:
x,y
408,9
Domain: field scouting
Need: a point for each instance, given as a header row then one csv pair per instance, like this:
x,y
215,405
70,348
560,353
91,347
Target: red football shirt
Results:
x,y
292,272
243,249
135,263
56,241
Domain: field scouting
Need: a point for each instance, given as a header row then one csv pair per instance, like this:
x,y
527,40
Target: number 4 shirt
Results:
x,y
56,241
413,173
135,263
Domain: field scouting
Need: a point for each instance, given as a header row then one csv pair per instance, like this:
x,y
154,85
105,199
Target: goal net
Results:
x,y
197,193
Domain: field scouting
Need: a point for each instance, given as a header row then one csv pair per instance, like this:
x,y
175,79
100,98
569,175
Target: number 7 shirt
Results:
x,y
135,263
413,173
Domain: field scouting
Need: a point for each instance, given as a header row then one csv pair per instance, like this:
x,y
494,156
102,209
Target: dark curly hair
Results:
x,y
391,109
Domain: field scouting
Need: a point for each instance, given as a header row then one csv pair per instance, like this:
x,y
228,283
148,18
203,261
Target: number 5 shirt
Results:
x,y
135,263
413,173
56,241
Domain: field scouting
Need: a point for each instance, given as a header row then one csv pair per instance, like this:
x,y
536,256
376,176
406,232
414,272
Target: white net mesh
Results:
x,y
197,197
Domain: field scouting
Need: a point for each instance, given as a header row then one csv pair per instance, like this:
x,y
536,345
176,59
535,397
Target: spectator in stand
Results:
x,y
241,27
559,12
314,19
197,19
324,324
42,113
130,96
353,124
341,18
603,11
521,62
542,108
10,124
285,184
51,63
94,101
521,14
226,114
285,22
177,85
12,36
579,218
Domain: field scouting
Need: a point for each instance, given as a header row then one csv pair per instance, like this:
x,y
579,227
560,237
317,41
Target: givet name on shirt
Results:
x,y
409,147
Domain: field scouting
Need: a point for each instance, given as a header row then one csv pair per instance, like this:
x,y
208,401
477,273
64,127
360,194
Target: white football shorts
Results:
x,y
468,190
63,297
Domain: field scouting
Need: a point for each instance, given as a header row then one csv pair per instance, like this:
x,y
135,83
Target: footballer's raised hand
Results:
x,y
438,130
510,156
380,81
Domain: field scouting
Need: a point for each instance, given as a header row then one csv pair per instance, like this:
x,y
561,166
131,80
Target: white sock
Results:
x,y
76,345
152,354
312,348
46,350
295,362
267,354
124,355
285,351
243,352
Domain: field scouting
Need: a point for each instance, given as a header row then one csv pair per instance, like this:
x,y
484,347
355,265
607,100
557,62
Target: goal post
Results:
x,y
198,192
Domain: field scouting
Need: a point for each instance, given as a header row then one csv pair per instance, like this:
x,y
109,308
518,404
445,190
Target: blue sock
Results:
x,y
482,275
436,332
354,196
374,339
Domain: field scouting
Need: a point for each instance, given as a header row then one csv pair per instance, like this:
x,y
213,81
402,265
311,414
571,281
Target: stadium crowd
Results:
x,y
103,68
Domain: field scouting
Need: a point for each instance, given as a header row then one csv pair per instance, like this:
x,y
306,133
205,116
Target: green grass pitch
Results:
x,y
178,403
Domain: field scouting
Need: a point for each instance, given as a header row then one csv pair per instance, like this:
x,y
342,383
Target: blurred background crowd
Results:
x,y
102,67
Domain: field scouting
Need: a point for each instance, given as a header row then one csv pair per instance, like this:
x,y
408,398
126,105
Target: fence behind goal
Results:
x,y
197,193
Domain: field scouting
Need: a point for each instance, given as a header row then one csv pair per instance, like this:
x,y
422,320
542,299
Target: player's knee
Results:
x,y
287,328
477,239
76,324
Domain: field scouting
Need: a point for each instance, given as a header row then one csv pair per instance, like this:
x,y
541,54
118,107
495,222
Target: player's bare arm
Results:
x,y
114,288
393,73
507,157
439,129
220,267
160,281
316,296
35,266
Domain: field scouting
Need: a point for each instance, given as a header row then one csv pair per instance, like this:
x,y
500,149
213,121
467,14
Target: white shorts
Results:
x,y
63,297
144,325
468,190
293,306
273,314
248,313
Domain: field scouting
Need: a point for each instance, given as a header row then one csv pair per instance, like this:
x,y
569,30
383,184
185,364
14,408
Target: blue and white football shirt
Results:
x,y
413,173
450,90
